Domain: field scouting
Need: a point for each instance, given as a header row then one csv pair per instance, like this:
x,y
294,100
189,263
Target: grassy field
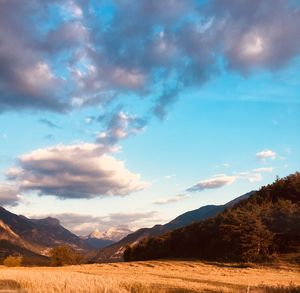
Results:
x,y
151,276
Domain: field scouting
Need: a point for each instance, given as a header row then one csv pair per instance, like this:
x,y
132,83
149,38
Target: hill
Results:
x,y
262,226
33,238
115,251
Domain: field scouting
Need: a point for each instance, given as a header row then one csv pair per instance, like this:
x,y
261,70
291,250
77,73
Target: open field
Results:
x,y
150,276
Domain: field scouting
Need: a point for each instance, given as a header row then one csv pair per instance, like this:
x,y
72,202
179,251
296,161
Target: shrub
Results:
x,y
13,261
64,255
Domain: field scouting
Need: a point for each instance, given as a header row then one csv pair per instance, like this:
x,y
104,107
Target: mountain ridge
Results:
x,y
34,237
115,251
264,225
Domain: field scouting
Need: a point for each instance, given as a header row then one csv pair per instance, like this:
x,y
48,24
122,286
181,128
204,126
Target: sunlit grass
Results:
x,y
151,277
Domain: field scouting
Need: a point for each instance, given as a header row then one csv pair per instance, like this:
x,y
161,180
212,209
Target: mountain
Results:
x,y
98,243
33,237
97,240
115,251
260,227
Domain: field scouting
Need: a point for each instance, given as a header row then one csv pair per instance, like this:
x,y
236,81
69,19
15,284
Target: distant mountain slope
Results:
x,y
33,237
265,224
115,251
43,232
29,257
98,243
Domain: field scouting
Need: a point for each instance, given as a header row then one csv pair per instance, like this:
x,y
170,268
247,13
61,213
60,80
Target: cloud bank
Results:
x,y
79,53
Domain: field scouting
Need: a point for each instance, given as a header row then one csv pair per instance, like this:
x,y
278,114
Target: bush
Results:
x,y
64,255
13,261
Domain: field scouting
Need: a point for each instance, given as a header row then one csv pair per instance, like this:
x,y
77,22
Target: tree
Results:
x,y
13,261
64,255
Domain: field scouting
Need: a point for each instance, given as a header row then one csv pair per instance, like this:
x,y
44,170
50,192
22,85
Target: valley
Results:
x,y
153,277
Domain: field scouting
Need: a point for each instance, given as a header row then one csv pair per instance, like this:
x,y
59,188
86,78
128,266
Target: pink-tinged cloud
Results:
x,y
75,171
217,181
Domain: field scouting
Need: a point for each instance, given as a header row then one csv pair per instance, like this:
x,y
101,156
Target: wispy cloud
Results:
x,y
173,199
49,123
170,176
216,181
119,125
264,170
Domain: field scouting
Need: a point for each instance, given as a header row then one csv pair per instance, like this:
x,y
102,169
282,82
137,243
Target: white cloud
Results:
x,y
88,120
250,176
224,165
74,9
216,181
167,200
168,177
254,177
266,154
75,171
264,170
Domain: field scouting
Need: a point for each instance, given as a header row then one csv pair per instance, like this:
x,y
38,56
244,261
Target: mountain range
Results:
x,y
115,251
25,236
264,226
33,238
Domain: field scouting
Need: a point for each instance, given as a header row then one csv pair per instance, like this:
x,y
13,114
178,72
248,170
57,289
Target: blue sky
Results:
x,y
120,115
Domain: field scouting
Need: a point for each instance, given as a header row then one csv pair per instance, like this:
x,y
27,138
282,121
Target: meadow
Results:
x,y
151,277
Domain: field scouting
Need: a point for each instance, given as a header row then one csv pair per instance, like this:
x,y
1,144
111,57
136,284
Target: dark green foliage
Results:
x,y
266,224
64,255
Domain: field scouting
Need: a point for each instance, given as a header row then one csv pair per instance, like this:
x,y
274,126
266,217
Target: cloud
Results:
x,y
49,123
252,176
89,119
75,171
75,53
113,226
119,125
255,177
264,170
8,195
254,33
224,165
168,177
220,180
215,182
266,154
176,198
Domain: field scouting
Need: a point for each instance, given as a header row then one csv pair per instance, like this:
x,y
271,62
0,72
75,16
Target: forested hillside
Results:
x,y
262,226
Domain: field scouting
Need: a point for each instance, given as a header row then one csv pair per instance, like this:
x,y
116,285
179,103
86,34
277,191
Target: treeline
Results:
x,y
266,224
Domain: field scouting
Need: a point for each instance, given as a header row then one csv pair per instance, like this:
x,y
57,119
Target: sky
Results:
x,y
117,115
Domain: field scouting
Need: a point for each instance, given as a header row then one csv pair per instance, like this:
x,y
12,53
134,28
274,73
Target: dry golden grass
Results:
x,y
149,277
